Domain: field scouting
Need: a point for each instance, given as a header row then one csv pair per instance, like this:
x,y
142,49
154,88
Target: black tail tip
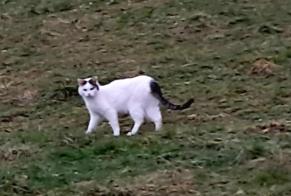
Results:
x,y
189,103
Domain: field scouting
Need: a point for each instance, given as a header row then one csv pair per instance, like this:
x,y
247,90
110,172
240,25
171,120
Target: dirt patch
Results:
x,y
272,127
9,154
131,73
263,67
27,97
200,25
19,89
206,118
177,182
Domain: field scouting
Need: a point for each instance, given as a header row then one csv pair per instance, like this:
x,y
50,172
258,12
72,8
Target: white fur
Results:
x,y
125,96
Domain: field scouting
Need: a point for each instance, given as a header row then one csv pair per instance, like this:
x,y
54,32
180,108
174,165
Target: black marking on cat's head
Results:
x,y
93,82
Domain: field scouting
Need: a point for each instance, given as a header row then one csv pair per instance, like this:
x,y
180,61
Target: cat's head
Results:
x,y
88,87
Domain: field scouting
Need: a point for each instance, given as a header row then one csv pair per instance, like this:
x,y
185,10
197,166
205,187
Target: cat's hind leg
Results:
x,y
155,116
137,115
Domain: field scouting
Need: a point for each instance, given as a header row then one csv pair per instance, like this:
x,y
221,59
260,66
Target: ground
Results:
x,y
232,56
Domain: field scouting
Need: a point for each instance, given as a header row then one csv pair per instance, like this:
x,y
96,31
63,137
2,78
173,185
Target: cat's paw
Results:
x,y
116,134
88,132
130,134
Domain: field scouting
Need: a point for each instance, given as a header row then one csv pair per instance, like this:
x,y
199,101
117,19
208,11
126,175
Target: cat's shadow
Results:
x,y
126,125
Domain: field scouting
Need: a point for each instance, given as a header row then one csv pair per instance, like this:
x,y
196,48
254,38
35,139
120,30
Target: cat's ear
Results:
x,y
81,82
95,78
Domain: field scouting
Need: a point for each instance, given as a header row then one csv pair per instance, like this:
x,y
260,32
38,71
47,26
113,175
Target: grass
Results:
x,y
234,140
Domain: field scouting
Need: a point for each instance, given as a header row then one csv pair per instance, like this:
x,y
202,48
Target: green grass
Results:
x,y
225,144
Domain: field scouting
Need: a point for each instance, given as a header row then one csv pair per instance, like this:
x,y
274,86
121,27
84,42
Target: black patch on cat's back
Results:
x,y
157,92
155,88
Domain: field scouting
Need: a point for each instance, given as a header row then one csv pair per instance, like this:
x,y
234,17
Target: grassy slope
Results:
x,y
197,48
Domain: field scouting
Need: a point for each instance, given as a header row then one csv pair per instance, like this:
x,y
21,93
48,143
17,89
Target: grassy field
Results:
x,y
232,56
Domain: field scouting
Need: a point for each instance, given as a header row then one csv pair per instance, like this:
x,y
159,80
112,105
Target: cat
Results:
x,y
140,97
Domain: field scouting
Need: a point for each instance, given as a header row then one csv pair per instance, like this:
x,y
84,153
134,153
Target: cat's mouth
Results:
x,y
89,96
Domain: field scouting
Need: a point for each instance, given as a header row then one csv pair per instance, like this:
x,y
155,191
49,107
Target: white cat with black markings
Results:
x,y
140,97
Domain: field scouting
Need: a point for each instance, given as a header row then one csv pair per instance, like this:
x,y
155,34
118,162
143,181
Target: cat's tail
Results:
x,y
157,93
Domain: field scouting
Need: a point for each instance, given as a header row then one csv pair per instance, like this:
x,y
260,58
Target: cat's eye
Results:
x,y
84,89
92,88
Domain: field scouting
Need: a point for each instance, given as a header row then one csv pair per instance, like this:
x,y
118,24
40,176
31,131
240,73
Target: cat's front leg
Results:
x,y
95,119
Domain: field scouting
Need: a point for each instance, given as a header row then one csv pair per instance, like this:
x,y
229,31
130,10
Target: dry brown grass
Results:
x,y
271,127
165,182
10,153
263,67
